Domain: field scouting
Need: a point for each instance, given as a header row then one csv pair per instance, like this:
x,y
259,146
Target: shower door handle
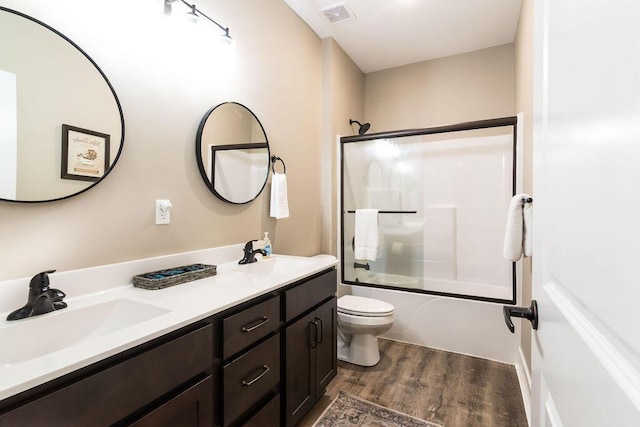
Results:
x,y
530,313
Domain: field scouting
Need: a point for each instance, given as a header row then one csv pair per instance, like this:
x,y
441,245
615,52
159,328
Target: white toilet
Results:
x,y
360,321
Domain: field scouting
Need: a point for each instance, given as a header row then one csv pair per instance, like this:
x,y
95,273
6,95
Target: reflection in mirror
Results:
x,y
233,153
239,173
54,100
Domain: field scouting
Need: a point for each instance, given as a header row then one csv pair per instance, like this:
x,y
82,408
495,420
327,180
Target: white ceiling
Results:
x,y
390,33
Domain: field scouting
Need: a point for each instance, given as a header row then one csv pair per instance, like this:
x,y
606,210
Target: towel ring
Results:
x,y
274,159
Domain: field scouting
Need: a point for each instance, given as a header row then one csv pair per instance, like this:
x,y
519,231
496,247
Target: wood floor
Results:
x,y
446,388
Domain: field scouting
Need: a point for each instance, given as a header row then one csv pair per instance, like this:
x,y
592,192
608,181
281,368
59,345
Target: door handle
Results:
x,y
313,333
321,335
530,313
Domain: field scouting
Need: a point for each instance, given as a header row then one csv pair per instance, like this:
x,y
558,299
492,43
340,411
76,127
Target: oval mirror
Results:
x,y
233,153
61,124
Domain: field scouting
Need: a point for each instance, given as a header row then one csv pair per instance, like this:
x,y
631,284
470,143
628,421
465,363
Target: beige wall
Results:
x,y
472,86
524,104
167,75
343,99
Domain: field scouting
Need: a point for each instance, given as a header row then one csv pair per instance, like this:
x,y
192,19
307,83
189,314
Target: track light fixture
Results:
x,y
363,128
194,15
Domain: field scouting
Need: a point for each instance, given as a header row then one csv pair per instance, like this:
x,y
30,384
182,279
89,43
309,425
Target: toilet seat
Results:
x,y
352,321
362,306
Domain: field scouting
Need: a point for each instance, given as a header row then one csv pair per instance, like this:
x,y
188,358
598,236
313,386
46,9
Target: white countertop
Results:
x,y
185,304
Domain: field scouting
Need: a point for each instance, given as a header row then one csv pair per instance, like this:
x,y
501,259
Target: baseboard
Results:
x,y
524,378
448,350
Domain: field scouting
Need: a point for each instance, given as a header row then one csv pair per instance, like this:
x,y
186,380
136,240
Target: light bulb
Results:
x,y
227,41
192,15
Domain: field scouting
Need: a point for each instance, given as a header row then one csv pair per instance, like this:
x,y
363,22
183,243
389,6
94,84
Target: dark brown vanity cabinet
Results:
x,y
165,382
311,359
277,354
261,363
250,358
310,350
192,407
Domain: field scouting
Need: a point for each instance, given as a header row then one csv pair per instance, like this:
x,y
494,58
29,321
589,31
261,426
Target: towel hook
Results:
x,y
274,159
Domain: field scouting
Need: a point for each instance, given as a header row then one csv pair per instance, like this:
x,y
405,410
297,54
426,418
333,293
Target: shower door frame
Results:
x,y
465,126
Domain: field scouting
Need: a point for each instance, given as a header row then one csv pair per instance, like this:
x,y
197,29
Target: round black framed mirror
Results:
x,y
62,126
233,154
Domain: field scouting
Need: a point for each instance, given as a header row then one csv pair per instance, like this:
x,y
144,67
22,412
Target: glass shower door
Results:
x,y
385,174
442,199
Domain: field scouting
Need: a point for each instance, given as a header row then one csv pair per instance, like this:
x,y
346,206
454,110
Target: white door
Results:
x,y
586,351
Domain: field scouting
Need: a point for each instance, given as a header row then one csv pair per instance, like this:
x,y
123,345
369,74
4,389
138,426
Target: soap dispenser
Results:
x,y
267,244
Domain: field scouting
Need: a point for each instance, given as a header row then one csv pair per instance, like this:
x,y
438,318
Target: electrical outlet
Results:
x,y
163,211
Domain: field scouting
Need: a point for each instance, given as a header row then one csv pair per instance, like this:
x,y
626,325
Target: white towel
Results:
x,y
279,201
527,217
366,234
517,236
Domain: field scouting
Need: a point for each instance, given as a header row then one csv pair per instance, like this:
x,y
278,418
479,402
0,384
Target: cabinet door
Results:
x,y
191,408
301,340
326,349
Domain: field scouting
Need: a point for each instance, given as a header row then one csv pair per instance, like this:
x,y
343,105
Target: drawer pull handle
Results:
x,y
265,369
251,327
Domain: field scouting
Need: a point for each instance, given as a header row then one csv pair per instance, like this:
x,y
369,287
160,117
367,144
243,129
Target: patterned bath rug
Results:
x,y
348,410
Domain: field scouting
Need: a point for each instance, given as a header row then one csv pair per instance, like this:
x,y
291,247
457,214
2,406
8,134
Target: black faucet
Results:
x,y
42,299
250,254
365,265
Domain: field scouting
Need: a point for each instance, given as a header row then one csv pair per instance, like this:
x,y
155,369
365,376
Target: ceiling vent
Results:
x,y
339,12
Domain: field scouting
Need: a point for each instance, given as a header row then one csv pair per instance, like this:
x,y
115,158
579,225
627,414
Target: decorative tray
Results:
x,y
173,276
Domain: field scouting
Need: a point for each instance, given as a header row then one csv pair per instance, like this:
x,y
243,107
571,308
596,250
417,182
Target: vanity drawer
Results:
x,y
269,415
112,394
248,378
309,294
248,326
191,408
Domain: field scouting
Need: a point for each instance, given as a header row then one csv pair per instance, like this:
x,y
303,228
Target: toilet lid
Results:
x,y
361,306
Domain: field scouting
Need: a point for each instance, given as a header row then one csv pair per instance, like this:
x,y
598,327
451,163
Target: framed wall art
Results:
x,y
85,154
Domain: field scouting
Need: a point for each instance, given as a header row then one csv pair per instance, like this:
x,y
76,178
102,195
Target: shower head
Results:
x,y
363,127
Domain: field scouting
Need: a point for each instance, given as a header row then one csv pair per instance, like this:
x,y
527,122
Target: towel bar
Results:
x,y
391,212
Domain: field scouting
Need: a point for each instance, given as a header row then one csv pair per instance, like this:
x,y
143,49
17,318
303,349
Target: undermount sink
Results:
x,y
274,265
37,336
